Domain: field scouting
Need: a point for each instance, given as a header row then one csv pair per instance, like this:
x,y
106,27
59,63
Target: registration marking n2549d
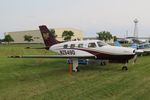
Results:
x,y
67,52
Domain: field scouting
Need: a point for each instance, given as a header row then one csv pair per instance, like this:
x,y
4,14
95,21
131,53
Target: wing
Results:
x,y
53,56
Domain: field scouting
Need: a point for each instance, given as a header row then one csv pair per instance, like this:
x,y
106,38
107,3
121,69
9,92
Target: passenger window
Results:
x,y
91,45
100,44
65,46
72,46
80,45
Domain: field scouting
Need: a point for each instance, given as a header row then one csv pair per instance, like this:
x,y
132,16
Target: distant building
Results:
x,y
135,34
18,36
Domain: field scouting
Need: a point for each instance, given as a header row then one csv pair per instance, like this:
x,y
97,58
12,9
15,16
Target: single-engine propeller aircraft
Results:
x,y
144,46
138,50
87,49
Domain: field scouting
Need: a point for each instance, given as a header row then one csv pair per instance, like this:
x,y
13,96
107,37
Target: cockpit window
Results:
x,y
72,46
65,46
100,44
80,45
91,45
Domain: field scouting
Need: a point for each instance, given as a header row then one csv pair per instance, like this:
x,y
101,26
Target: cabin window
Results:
x,y
80,45
91,45
100,44
72,46
65,46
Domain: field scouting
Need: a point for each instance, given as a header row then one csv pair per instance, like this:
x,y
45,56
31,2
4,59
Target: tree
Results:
x,y
28,38
67,35
8,39
115,38
104,35
53,32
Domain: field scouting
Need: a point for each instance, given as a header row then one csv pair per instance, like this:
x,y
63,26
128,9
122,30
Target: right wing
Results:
x,y
53,56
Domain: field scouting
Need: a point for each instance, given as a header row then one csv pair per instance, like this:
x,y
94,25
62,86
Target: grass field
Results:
x,y
49,79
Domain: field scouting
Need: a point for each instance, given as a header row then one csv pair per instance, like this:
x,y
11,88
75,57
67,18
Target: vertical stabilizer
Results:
x,y
48,37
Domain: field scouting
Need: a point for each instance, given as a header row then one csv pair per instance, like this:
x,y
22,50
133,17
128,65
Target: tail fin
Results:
x,y
48,37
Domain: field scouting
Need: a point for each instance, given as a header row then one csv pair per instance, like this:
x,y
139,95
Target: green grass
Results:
x,y
49,79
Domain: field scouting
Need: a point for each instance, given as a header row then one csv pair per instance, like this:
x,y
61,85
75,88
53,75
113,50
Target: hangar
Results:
x,y
18,36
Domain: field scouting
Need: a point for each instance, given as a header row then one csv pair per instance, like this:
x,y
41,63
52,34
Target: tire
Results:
x,y
78,69
125,68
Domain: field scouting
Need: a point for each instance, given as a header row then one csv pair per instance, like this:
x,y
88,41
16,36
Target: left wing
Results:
x,y
53,56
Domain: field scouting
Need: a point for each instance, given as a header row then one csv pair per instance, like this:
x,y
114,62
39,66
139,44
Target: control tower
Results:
x,y
135,34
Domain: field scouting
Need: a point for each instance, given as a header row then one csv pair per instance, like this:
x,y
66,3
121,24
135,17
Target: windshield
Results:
x,y
100,44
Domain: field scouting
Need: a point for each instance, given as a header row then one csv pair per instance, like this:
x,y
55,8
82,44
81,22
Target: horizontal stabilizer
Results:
x,y
37,48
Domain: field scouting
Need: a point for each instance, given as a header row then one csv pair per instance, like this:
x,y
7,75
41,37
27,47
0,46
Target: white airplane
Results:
x,y
140,48
87,49
138,51
144,46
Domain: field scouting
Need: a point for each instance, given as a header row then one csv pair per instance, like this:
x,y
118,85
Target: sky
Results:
x,y
90,16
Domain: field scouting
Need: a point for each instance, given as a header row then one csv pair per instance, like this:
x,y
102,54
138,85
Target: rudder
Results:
x,y
48,37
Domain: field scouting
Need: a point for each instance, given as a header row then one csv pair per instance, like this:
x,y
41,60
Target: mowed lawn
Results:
x,y
49,79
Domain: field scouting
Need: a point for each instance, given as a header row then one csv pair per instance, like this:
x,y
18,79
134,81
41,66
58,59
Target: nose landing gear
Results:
x,y
125,67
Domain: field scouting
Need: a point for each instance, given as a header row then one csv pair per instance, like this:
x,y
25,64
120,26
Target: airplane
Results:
x,y
140,48
139,41
84,49
144,46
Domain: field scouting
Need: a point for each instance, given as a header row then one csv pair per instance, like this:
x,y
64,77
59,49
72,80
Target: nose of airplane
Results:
x,y
127,50
123,50
132,51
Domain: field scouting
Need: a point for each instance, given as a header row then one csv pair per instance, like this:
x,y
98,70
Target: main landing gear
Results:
x,y
125,67
73,65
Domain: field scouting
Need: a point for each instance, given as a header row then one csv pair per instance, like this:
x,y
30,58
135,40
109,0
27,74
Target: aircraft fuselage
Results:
x,y
95,48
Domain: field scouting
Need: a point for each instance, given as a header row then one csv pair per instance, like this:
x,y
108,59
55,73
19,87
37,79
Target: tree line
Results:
x,y
66,35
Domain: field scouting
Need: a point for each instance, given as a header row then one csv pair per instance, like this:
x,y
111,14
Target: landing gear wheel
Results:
x,y
77,69
125,68
103,63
